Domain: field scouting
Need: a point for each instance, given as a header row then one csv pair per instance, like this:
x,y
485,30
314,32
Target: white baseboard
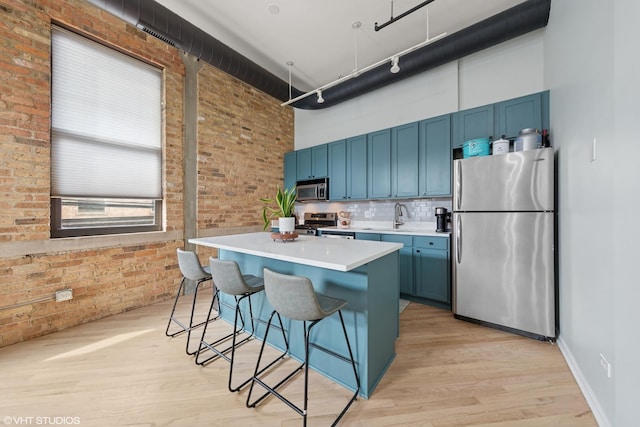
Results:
x,y
592,400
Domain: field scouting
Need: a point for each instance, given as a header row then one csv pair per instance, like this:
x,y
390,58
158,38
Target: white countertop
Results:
x,y
386,227
333,254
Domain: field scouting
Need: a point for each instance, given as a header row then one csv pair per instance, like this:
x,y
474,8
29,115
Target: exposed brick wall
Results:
x,y
242,137
241,143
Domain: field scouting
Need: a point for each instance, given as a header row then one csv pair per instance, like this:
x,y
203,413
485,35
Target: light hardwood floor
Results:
x,y
122,370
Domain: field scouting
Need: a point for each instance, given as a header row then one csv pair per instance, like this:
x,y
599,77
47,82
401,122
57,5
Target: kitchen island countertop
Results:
x,y
333,254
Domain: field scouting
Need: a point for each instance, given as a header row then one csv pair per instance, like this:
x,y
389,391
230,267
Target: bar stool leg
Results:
x,y
234,344
305,365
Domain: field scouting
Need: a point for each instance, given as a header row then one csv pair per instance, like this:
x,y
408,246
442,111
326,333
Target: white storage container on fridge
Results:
x,y
500,146
528,139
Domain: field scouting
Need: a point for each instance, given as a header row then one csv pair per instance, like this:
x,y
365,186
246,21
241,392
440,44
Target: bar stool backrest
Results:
x,y
228,277
190,266
292,296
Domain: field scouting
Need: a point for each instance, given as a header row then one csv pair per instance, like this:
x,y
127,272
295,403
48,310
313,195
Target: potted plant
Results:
x,y
285,201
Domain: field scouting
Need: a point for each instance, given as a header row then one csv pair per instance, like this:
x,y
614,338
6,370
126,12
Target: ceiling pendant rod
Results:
x,y
392,20
289,64
356,25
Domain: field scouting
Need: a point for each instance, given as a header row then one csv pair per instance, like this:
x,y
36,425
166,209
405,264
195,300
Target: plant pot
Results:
x,y
287,225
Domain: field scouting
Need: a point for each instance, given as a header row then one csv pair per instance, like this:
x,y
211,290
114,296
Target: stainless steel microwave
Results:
x,y
312,190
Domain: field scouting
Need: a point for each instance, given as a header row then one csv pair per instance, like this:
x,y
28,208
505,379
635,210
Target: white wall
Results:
x,y
626,208
511,69
588,46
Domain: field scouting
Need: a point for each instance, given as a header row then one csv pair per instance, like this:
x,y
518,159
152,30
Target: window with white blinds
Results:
x,y
106,138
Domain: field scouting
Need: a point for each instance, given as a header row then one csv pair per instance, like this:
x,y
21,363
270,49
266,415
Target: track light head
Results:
x,y
394,64
320,98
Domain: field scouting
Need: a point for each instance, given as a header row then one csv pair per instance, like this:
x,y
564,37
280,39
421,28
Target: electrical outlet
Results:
x,y
605,365
64,295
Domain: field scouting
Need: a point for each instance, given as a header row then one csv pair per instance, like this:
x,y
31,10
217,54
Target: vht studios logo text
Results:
x,y
41,421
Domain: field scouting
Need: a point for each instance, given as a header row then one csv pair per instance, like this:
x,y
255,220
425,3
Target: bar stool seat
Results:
x,y
294,297
191,269
229,280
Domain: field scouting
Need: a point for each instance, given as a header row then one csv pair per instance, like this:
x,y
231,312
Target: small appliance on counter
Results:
x,y
344,219
315,220
442,219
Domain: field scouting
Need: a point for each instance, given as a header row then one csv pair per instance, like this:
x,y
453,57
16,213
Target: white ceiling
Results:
x,y
318,36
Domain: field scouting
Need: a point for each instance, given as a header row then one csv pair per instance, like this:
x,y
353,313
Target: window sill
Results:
x,y
65,244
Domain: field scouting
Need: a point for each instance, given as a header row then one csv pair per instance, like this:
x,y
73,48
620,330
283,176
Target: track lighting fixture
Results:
x,y
394,64
395,59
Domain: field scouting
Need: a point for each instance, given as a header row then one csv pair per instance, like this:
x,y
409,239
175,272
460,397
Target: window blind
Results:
x,y
106,122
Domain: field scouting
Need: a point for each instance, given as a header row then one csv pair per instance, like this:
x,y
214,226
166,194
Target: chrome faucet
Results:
x,y
397,220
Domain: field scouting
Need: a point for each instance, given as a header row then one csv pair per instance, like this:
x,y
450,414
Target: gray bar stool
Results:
x,y
191,269
229,280
295,298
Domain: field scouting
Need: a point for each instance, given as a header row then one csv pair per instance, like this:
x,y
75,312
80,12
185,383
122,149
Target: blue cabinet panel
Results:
x,y
435,157
337,165
368,236
406,261
517,114
303,164
356,167
290,172
319,161
405,160
431,268
311,162
472,124
379,164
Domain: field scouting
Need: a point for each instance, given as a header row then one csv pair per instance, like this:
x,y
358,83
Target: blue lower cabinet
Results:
x,y
432,272
368,236
406,261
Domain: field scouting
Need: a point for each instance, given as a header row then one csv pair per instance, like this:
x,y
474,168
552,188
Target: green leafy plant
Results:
x,y
285,202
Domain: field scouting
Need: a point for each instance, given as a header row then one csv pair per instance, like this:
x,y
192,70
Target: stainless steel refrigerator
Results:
x,y
503,242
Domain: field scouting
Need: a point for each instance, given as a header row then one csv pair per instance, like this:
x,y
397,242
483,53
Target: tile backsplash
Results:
x,y
420,210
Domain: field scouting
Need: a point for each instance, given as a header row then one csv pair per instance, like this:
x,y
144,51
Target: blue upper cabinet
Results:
x,y
319,161
472,124
290,172
435,157
337,152
311,162
303,164
379,164
404,160
356,168
520,113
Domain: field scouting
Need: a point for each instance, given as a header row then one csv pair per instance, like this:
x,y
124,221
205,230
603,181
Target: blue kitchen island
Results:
x,y
364,273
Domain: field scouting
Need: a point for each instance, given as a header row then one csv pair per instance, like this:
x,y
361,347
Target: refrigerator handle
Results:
x,y
458,185
458,238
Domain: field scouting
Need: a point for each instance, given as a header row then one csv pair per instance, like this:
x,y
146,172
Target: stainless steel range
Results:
x,y
315,220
